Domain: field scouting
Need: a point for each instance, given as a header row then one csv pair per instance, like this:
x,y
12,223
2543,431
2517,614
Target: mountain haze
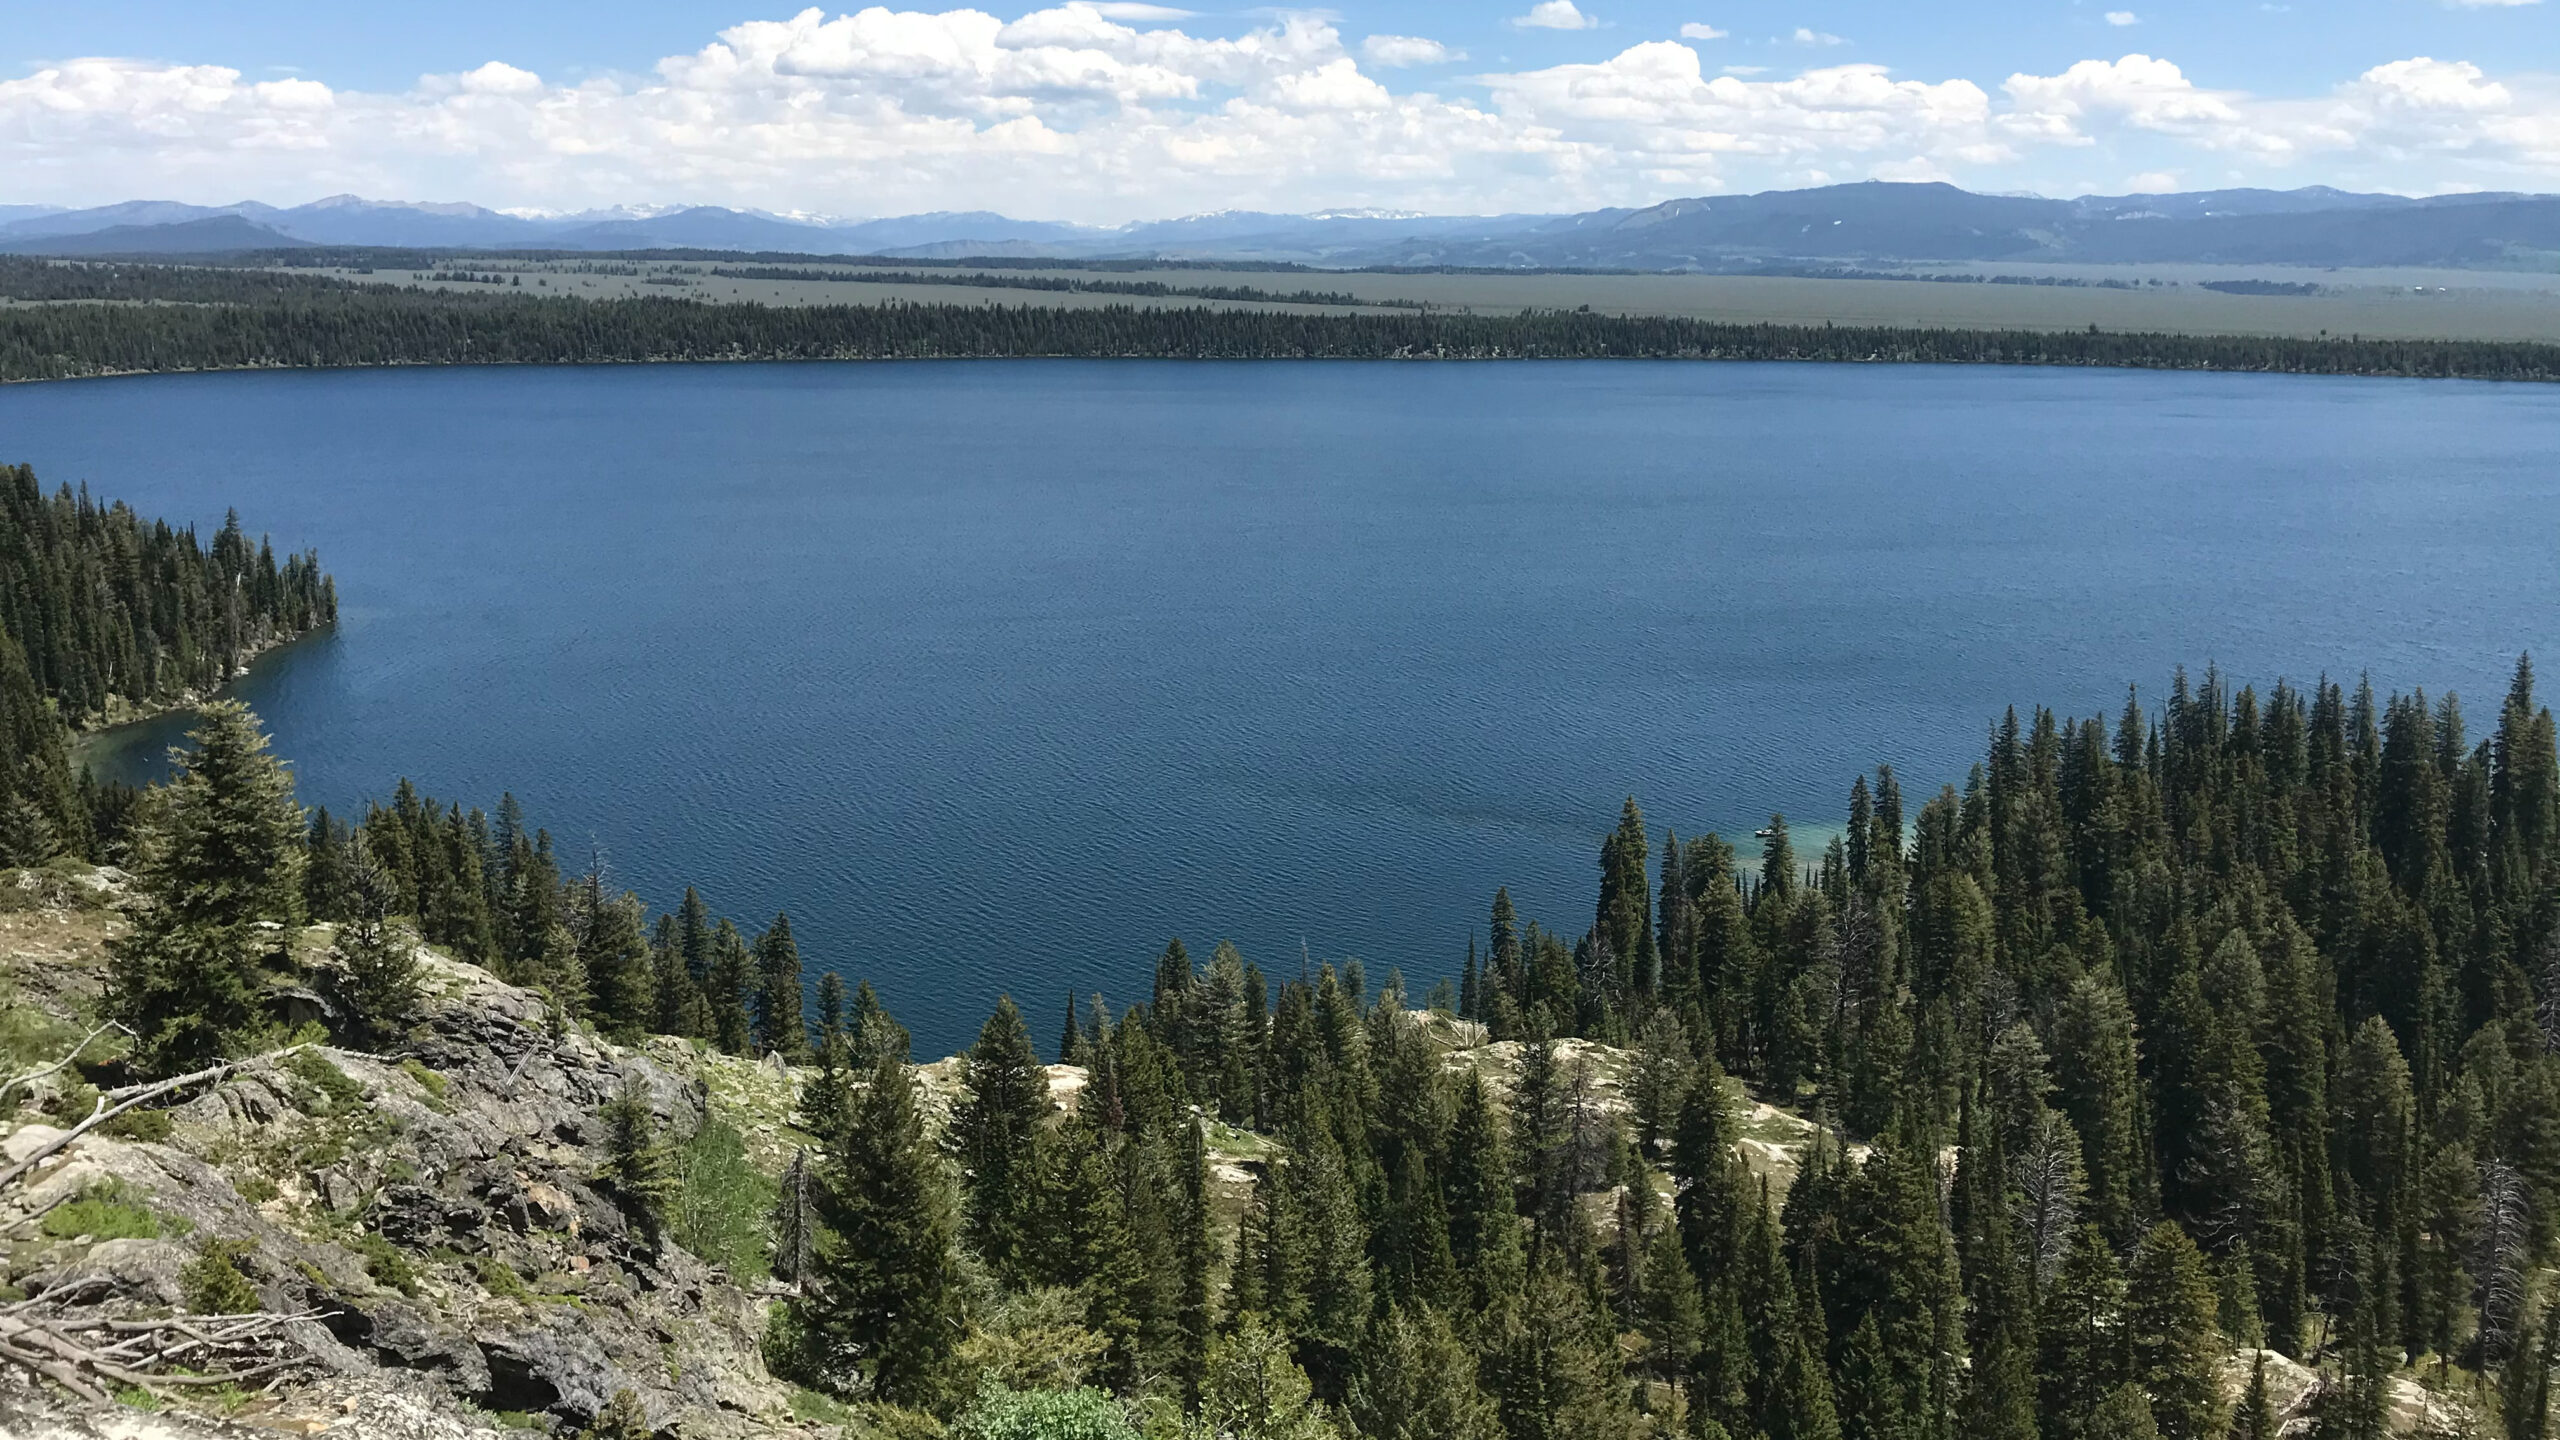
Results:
x,y
1874,222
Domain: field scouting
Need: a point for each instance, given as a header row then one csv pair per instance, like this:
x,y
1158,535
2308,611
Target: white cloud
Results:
x,y
2488,4
1746,70
2151,182
1400,51
1132,10
1804,36
1555,15
1695,30
2122,18
499,78
1080,111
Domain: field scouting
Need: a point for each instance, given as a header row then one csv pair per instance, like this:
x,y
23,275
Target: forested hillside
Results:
x,y
104,615
230,324
2224,1025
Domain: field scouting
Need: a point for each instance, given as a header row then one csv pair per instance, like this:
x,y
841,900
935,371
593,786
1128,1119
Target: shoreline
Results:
x,y
87,744
1932,362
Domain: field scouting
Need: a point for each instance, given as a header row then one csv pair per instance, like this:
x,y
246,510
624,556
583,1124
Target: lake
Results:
x,y
997,674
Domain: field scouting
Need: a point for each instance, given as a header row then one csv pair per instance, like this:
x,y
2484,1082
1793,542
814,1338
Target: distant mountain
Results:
x,y
212,235
1871,223
1893,223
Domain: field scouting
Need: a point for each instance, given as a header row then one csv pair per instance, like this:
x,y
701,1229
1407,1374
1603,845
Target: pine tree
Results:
x,y
1254,1391
830,1011
2171,1338
870,1032
1417,1382
609,959
1196,1252
778,1026
2081,1356
996,1132
219,852
730,989
382,984
639,1165
884,1300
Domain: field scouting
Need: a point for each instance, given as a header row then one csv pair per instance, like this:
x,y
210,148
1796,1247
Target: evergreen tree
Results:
x,y
884,1301
218,853
382,984
2171,1338
997,1134
729,989
1417,1382
778,1027
639,1166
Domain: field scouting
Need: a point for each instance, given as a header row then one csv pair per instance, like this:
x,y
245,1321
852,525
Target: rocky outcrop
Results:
x,y
435,1212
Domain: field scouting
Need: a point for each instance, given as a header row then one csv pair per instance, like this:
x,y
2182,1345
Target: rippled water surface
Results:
x,y
998,674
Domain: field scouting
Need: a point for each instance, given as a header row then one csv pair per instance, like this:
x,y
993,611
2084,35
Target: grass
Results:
x,y
108,1210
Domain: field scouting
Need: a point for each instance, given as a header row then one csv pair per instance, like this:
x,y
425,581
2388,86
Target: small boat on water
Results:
x,y
1764,832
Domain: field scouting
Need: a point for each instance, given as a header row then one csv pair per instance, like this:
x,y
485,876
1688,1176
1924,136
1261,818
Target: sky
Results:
x,y
1104,113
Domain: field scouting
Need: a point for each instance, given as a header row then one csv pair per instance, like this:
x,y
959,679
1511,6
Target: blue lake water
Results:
x,y
998,674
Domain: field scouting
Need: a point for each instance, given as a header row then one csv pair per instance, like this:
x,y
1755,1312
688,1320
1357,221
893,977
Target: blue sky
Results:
x,y
2296,47
1116,112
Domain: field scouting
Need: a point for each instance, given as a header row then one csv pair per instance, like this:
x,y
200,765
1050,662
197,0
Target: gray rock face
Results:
x,y
399,1333
558,1368
472,1187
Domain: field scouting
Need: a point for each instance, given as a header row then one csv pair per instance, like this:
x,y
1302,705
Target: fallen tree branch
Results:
x,y
58,1066
128,1096
247,1347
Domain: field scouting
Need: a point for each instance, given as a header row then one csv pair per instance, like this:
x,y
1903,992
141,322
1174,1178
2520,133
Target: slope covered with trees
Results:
x,y
103,616
2214,1027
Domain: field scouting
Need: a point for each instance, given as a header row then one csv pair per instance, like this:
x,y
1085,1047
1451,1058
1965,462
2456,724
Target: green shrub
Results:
x,y
152,1125
809,1407
431,1081
107,1210
622,1418
499,1278
212,1282
384,1262
334,1088
786,1346
1001,1414
722,1203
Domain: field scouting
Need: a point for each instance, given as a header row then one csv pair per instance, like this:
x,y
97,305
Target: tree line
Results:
x,y
2162,1051
1055,283
104,615
352,325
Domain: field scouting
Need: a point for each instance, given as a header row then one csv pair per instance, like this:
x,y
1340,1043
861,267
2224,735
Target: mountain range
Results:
x,y
1869,222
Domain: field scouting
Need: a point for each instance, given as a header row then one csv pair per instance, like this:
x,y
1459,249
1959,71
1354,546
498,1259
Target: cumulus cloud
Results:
x,y
2122,18
1400,51
1555,15
1695,30
1098,112
1804,36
